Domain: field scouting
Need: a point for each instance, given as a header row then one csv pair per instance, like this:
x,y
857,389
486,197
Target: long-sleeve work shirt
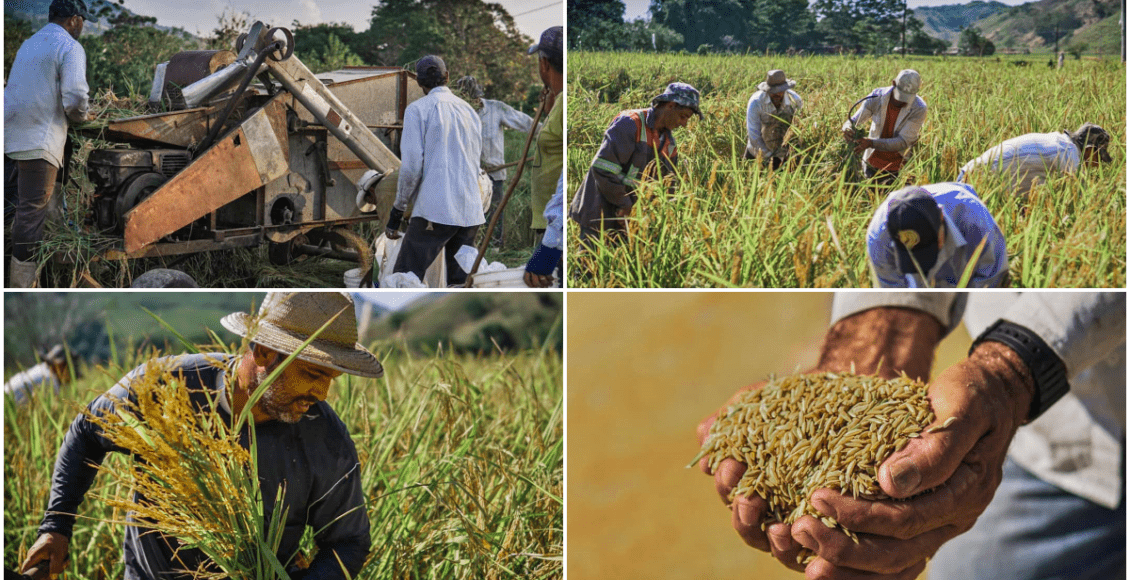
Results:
x,y
439,160
495,115
1027,159
766,124
967,222
46,87
908,123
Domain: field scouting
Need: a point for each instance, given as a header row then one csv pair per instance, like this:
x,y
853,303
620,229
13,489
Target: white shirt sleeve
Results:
x,y
411,158
513,118
753,127
554,210
73,85
1083,328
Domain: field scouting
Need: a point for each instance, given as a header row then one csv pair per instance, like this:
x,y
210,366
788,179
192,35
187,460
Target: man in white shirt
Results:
x,y
897,114
769,115
1028,159
46,88
494,115
439,167
1025,482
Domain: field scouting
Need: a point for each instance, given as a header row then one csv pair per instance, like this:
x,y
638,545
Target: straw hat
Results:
x,y
288,319
776,82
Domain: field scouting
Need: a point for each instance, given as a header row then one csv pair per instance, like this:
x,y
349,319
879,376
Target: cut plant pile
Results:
x,y
803,432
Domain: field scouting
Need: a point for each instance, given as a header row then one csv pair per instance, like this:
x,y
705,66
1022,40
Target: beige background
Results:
x,y
643,369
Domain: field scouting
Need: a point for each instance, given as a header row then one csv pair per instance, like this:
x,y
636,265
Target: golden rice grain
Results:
x,y
801,433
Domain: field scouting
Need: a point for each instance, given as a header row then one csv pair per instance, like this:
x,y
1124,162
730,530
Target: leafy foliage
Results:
x,y
972,43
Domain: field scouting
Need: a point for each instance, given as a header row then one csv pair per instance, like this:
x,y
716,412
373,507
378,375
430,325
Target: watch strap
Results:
x,y
1049,374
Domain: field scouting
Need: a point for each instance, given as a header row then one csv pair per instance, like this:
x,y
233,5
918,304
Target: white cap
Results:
x,y
906,85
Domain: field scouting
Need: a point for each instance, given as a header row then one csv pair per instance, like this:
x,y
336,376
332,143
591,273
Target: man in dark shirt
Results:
x,y
300,439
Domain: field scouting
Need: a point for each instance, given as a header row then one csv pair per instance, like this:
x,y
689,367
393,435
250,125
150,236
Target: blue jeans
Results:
x,y
1034,530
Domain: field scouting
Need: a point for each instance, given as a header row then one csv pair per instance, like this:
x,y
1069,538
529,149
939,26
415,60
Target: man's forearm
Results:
x,y
887,340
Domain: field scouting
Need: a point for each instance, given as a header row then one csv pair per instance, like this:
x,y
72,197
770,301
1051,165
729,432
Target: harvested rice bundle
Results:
x,y
801,433
194,479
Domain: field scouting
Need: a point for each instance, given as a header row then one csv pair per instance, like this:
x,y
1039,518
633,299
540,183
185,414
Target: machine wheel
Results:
x,y
139,188
286,50
284,253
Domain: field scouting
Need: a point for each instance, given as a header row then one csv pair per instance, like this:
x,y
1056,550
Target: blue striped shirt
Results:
x,y
967,222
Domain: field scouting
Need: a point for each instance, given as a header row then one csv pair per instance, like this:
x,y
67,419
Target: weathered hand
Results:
x,y
988,395
392,234
862,145
747,513
50,547
624,211
849,135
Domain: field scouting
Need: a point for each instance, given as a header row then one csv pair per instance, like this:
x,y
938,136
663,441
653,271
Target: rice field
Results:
x,y
732,223
461,458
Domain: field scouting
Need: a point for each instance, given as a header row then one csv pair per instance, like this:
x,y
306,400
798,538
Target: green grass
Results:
x,y
731,222
462,466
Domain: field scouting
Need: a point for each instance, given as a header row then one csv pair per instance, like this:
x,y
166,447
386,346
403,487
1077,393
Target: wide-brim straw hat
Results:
x,y
776,82
288,319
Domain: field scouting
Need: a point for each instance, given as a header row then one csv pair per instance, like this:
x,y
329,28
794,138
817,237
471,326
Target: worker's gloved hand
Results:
x,y
747,513
50,549
392,230
942,481
539,270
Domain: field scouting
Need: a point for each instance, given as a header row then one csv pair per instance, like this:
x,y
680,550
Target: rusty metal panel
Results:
x,y
177,128
232,167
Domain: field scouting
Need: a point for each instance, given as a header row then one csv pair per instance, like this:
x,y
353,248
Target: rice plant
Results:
x,y
732,222
461,457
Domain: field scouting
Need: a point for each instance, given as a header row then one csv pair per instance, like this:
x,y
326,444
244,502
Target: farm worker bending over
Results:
x,y
629,154
439,167
1027,159
769,115
299,437
547,258
935,230
896,114
494,116
549,158
52,373
1028,476
46,89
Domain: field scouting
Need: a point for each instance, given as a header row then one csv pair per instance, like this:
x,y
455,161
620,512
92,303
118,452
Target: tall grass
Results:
x,y
462,466
732,222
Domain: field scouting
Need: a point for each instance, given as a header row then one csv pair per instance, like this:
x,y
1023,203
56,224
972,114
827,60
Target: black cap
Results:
x,y
550,46
1092,135
913,220
68,8
430,70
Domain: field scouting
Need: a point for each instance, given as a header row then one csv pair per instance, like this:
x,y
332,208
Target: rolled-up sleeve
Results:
x,y
946,307
1083,328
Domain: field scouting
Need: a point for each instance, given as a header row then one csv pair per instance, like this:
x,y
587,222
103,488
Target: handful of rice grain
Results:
x,y
801,433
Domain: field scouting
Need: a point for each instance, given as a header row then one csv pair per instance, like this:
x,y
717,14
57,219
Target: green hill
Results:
x,y
1034,26
477,322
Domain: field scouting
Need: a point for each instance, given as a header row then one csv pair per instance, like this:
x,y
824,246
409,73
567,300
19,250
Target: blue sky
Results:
x,y
638,8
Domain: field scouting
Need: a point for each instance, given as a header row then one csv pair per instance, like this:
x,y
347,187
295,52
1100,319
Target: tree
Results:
x,y
473,38
704,21
922,43
862,24
596,24
971,42
779,25
124,57
1076,49
325,47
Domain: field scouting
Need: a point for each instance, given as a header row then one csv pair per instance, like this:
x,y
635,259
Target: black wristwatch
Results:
x,y
1049,375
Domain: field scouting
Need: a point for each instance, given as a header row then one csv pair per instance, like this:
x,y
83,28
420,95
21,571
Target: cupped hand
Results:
x,y
941,481
747,513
